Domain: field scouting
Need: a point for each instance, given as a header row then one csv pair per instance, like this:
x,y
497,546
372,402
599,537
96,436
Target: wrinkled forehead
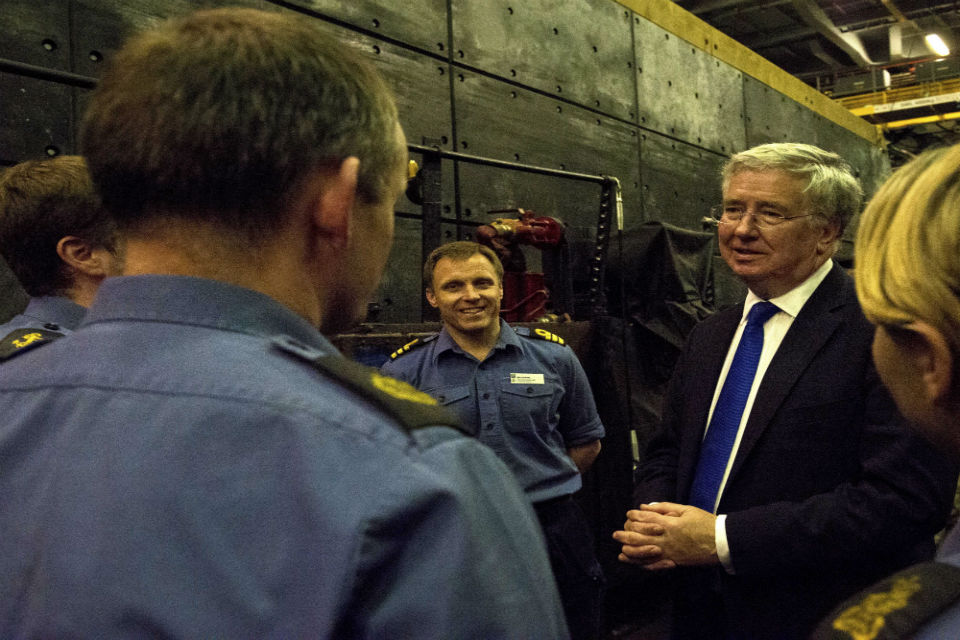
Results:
x,y
767,184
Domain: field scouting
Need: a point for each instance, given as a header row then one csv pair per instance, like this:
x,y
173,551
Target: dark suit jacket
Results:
x,y
828,491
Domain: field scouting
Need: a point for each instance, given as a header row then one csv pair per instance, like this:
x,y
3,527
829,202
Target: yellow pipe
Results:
x,y
899,124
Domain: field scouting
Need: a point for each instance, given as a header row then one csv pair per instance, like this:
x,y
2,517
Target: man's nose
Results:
x,y
747,224
470,292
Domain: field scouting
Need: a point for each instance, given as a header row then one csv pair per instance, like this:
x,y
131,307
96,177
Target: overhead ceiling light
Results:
x,y
936,44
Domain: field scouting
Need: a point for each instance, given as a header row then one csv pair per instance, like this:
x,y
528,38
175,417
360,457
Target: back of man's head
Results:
x,y
218,116
832,189
41,202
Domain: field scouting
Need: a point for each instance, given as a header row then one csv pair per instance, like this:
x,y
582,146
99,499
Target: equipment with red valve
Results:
x,y
529,297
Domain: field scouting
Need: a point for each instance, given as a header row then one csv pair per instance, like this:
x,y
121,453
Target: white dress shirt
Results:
x,y
774,331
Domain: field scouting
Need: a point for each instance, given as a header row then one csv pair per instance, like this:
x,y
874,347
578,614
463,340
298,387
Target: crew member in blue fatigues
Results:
x,y
526,396
197,460
58,242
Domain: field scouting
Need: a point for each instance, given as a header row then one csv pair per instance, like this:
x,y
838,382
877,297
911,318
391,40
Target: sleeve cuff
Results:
x,y
723,547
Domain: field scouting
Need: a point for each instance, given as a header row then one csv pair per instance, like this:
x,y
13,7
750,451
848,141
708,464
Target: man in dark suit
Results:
x,y
781,478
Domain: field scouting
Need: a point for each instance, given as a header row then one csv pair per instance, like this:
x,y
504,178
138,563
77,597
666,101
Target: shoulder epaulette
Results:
x,y
540,334
413,344
412,408
895,607
21,340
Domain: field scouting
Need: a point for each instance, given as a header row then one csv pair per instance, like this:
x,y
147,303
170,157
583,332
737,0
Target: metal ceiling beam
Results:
x,y
823,56
894,11
700,7
780,38
850,43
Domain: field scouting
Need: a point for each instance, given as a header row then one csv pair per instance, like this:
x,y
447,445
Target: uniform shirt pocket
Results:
x,y
527,406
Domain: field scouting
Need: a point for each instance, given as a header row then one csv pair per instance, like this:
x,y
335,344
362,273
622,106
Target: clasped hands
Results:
x,y
666,535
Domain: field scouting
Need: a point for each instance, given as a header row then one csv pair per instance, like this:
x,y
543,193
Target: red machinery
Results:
x,y
525,295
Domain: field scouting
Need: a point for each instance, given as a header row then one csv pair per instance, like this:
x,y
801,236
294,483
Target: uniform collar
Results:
x,y
508,338
199,302
56,309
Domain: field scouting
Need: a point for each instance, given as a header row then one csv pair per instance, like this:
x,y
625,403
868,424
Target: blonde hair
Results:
x,y
907,249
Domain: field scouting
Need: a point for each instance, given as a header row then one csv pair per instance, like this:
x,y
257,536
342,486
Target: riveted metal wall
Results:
x,y
580,51
499,120
773,117
586,86
686,93
680,181
417,23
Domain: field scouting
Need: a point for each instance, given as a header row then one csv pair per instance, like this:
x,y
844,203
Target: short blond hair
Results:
x,y
460,250
907,251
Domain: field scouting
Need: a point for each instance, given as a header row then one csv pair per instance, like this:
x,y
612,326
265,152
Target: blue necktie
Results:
x,y
722,432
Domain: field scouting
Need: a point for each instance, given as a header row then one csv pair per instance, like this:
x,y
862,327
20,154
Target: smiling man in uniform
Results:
x,y
526,396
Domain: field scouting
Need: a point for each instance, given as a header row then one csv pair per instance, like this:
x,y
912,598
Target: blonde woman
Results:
x,y
908,282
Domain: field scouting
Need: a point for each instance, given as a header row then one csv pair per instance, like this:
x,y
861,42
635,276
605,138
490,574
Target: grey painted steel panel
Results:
x,y
498,120
35,119
773,117
580,51
36,33
420,83
421,86
680,181
101,27
420,23
686,93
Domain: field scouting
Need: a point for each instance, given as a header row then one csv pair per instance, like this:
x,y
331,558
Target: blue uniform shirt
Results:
x,y
529,401
176,468
54,313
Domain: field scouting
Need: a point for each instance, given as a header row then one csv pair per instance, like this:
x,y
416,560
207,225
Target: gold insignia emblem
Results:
x,y
404,348
28,339
399,389
546,335
865,620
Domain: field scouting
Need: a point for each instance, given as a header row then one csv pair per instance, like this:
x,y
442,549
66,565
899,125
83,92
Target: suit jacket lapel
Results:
x,y
711,356
806,337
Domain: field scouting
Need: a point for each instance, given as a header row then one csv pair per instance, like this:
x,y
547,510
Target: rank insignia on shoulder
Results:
x,y
895,607
400,390
413,344
543,334
21,340
410,407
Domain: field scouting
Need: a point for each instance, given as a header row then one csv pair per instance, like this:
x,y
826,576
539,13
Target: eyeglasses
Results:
x,y
732,214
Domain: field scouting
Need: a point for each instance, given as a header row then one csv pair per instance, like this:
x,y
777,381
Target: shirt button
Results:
x,y
529,390
488,426
486,396
441,398
53,326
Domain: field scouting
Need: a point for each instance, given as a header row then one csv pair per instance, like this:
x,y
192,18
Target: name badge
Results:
x,y
526,378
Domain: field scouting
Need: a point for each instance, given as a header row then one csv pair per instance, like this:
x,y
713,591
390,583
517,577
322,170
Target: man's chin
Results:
x,y
473,325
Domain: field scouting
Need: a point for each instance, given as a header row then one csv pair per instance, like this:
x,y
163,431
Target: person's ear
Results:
x,y
828,237
333,207
80,256
933,361
432,299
